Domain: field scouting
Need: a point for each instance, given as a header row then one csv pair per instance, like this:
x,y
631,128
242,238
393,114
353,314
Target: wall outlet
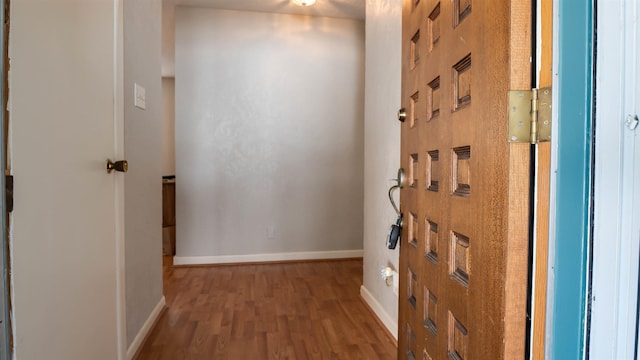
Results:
x,y
391,278
396,284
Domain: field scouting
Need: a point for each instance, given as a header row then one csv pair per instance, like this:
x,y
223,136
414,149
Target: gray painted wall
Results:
x,y
168,38
382,147
143,149
269,133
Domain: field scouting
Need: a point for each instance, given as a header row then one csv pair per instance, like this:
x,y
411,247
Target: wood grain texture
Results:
x,y
271,311
481,310
541,252
546,62
168,218
168,204
517,254
543,176
517,251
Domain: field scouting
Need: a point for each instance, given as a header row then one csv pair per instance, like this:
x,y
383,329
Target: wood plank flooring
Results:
x,y
306,310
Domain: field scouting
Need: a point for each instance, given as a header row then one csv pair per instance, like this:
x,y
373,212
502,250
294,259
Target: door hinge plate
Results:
x,y
8,185
530,115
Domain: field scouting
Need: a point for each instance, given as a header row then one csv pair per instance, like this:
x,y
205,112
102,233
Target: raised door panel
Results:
x,y
466,223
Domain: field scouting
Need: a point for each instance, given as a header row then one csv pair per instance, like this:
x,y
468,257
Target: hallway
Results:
x,y
306,310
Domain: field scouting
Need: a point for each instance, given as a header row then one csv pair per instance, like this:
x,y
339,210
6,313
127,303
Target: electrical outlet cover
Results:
x,y
396,285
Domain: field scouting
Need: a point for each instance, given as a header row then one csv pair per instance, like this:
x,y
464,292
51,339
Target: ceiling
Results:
x,y
351,9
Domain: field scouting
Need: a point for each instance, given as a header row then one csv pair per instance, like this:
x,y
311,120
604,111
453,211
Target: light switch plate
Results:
x,y
140,95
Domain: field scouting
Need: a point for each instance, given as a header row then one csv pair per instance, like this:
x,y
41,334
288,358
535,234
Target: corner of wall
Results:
x,y
387,320
382,150
143,149
145,330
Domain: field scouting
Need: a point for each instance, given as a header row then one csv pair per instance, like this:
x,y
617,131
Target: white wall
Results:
x,y
382,150
143,149
168,127
269,135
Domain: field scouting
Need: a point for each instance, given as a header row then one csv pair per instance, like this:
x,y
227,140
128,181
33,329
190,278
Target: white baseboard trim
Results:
x,y
293,256
380,312
146,329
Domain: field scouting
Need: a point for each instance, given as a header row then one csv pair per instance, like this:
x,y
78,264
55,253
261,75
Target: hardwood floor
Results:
x,y
307,310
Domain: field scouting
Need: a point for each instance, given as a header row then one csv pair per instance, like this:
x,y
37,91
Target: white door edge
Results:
x,y
118,95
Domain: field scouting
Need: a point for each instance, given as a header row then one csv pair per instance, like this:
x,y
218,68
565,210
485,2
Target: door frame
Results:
x,y
119,153
571,180
5,332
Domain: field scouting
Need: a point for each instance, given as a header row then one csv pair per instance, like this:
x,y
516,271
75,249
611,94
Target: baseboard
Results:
x,y
146,329
380,312
257,258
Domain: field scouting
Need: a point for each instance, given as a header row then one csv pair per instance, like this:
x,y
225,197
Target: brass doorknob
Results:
x,y
121,166
402,114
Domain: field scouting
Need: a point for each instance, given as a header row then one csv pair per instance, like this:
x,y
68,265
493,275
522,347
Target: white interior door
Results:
x,y
65,122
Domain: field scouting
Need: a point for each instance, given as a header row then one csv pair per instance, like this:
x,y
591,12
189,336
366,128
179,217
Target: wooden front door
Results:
x,y
464,247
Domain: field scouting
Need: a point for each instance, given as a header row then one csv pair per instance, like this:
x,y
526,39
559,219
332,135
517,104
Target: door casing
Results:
x,y
571,180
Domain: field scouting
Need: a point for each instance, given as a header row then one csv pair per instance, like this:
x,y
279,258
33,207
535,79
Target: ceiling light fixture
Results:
x,y
304,2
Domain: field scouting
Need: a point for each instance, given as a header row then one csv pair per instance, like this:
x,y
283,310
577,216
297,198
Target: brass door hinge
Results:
x,y
530,115
8,191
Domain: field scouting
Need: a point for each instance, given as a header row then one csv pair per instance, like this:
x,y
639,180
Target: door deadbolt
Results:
x,y
401,178
121,166
402,115
399,185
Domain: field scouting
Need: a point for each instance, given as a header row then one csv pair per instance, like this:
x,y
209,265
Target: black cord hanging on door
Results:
x,y
396,229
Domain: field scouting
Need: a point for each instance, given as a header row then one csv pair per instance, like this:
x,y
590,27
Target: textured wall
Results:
x,y
382,147
168,38
143,150
269,133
